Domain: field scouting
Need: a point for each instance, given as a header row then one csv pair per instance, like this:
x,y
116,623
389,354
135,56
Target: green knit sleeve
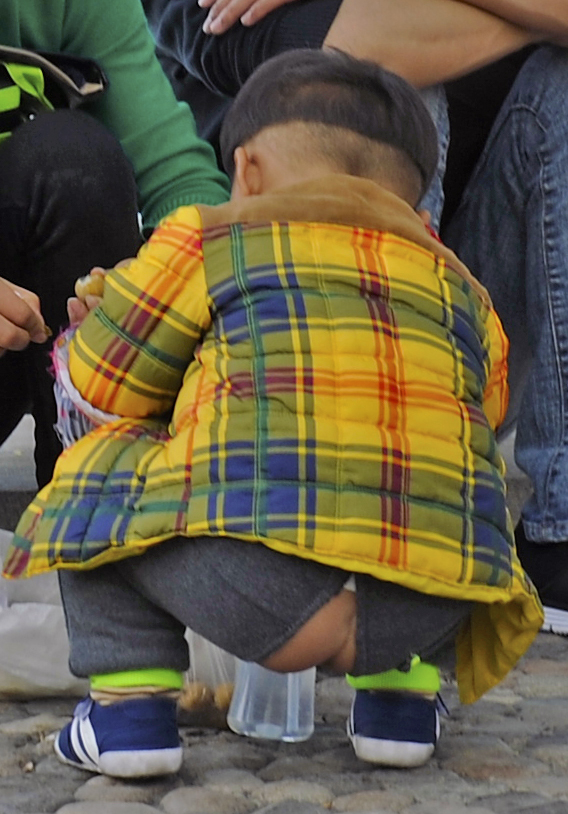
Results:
x,y
173,166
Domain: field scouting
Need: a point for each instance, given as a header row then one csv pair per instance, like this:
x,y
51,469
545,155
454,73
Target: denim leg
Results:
x,y
510,229
435,100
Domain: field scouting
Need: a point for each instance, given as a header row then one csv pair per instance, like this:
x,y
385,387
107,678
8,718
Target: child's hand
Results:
x,y
21,321
76,311
89,292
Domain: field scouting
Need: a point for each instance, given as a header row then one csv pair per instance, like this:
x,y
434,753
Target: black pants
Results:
x,y
207,72
67,203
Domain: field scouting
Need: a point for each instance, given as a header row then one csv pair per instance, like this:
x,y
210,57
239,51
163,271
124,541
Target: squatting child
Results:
x,y
305,385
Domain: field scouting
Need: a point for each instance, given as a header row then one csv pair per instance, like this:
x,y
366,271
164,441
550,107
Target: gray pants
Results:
x,y
245,598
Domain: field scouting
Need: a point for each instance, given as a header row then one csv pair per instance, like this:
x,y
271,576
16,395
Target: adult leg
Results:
x,y
208,108
67,203
217,67
510,230
208,71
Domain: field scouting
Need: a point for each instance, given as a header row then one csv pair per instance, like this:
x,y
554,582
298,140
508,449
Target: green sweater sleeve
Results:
x,y
173,166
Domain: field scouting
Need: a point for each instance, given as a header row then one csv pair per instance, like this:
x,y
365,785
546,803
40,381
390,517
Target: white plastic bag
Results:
x,y
208,690
34,650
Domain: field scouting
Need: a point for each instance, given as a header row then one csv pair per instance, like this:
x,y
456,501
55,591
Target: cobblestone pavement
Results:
x,y
506,754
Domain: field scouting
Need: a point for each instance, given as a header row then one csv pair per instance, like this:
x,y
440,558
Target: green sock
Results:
x,y
152,677
422,677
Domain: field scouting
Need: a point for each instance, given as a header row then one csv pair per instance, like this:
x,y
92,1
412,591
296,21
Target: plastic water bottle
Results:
x,y
277,706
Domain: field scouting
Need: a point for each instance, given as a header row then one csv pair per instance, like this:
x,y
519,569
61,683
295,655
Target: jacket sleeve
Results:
x,y
130,354
172,165
496,395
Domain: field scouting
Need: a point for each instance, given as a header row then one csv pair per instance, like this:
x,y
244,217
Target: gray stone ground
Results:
x,y
506,754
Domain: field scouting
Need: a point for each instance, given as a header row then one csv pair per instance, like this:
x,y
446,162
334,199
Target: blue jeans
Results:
x,y
511,229
435,100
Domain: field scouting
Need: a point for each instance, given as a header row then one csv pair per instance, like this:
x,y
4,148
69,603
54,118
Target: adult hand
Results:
x,y
21,321
225,13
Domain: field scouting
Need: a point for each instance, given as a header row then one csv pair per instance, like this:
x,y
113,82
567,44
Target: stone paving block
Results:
x,y
292,789
293,807
109,808
51,765
544,667
512,802
218,754
548,808
542,686
11,760
373,800
231,780
60,707
542,715
445,808
335,696
198,800
554,753
25,793
341,759
552,786
484,758
33,726
102,789
284,767
342,783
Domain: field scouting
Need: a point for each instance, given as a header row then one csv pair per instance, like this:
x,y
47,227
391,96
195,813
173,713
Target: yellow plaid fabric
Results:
x,y
326,389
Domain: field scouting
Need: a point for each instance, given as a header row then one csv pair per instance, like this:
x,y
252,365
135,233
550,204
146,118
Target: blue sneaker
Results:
x,y
398,729
137,738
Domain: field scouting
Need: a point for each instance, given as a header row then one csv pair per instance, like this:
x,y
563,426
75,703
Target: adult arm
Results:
x,y
425,41
547,16
172,165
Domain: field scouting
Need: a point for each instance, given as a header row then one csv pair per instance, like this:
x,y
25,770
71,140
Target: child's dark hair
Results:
x,y
330,88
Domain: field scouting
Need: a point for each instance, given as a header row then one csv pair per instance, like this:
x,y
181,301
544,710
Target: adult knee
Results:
x,y
66,150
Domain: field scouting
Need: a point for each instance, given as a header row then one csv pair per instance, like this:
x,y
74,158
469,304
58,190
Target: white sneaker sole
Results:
x,y
555,621
398,754
145,763
131,763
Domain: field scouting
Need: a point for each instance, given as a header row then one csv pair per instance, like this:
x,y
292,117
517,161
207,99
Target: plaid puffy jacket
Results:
x,y
335,376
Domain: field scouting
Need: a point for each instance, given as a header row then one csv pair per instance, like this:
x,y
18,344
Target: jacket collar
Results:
x,y
340,199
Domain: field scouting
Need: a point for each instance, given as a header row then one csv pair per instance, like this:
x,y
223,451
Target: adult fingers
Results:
x,y
225,13
21,317
12,337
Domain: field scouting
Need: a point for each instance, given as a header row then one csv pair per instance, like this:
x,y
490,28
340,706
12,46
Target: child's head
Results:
x,y
309,112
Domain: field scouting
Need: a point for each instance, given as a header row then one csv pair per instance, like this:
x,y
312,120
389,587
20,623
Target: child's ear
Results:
x,y
247,179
